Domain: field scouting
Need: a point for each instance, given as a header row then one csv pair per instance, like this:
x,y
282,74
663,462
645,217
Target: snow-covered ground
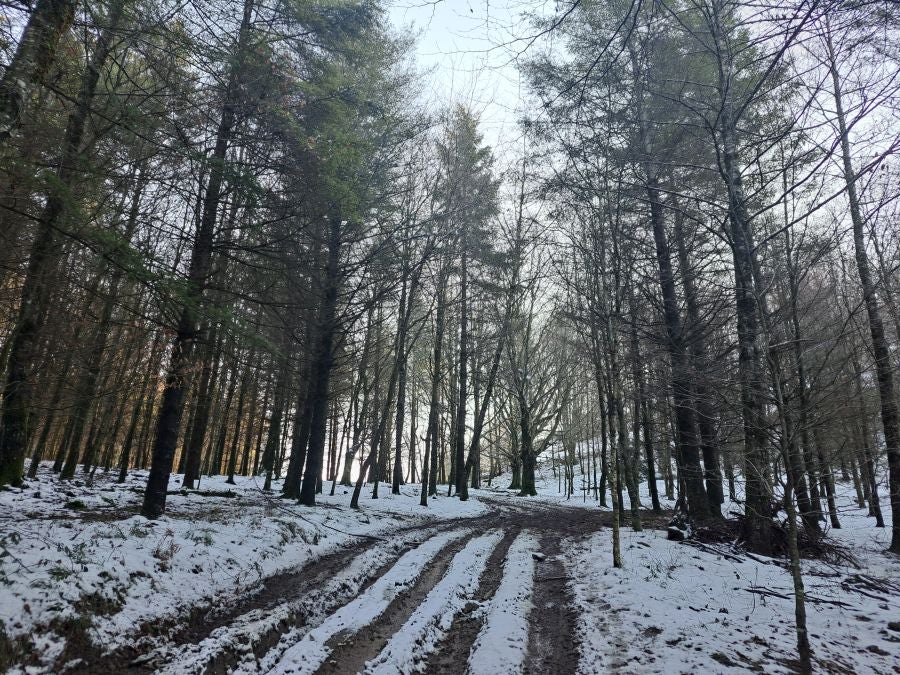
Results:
x,y
673,607
500,646
551,488
309,651
69,550
418,637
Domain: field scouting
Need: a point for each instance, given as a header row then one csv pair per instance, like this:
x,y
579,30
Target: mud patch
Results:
x,y
552,647
349,653
454,649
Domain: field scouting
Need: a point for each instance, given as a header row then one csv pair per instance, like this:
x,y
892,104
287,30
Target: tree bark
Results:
x,y
699,504
44,253
205,387
436,366
172,406
757,523
462,483
320,370
890,421
705,412
99,340
35,54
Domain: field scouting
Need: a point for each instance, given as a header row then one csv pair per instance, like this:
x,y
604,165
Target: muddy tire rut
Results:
x,y
454,649
551,625
551,648
225,661
349,653
282,589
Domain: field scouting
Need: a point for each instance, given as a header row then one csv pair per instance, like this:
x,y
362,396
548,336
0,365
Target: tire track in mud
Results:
x,y
453,650
349,653
552,645
505,516
284,589
299,616
289,589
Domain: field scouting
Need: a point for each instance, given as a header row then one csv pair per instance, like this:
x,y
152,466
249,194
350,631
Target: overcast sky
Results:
x,y
471,47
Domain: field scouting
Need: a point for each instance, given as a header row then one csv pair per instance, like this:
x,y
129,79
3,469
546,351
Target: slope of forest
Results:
x,y
85,577
76,557
712,607
256,252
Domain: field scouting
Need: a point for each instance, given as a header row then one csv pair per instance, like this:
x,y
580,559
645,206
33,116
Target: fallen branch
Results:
x,y
281,507
810,598
707,548
869,586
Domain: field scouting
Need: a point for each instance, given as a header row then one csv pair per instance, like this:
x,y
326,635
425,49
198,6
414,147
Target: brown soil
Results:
x,y
552,648
551,624
349,653
283,588
453,652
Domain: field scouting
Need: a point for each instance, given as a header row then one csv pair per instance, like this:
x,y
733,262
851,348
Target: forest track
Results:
x,y
301,614
454,649
241,634
283,590
551,646
349,653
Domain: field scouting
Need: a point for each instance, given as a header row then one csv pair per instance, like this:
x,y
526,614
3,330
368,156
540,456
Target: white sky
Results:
x,y
470,48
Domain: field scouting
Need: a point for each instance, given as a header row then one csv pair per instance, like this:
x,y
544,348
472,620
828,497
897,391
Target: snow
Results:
x,y
673,607
311,650
246,630
69,549
551,488
433,618
501,644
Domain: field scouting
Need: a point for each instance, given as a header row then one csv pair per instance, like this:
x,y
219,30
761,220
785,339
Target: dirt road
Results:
x,y
418,599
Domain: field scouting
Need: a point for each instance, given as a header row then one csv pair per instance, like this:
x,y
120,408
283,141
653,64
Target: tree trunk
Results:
x,y
320,370
35,54
890,421
378,432
757,523
293,476
172,406
238,417
209,373
705,412
99,340
397,476
462,484
526,444
43,257
827,475
699,504
218,456
436,366
273,440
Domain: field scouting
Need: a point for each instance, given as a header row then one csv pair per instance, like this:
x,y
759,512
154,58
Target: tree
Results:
x,y
890,420
468,194
182,357
35,55
44,257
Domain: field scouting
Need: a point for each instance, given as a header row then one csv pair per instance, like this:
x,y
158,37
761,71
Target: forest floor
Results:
x,y
234,580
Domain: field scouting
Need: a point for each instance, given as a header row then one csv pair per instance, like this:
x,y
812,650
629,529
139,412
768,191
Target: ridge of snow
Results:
x,y
311,650
501,644
246,630
432,619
